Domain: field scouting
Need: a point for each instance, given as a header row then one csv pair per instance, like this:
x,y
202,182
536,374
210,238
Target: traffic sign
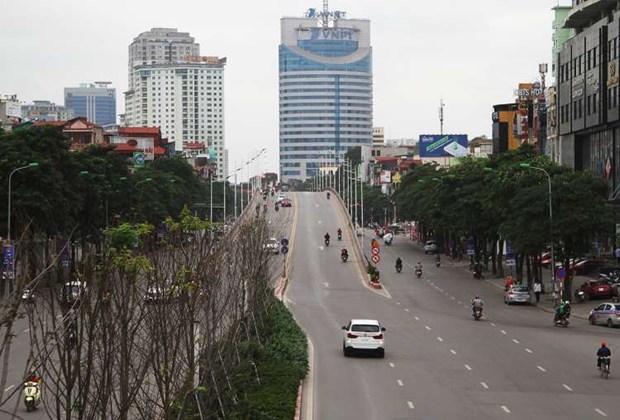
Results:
x,y
284,250
561,273
375,251
284,242
376,258
138,159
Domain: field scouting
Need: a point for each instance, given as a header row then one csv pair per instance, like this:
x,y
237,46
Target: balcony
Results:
x,y
585,12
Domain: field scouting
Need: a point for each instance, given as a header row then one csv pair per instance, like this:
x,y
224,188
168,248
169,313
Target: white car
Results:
x,y
280,198
430,247
272,245
365,335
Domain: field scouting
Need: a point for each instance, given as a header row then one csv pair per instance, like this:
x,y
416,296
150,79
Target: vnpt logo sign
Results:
x,y
329,33
318,14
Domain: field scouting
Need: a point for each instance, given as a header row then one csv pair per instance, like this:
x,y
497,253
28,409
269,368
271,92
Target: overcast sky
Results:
x,y
470,53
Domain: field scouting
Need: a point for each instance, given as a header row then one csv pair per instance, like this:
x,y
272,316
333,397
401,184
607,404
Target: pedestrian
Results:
x,y
617,253
508,282
537,290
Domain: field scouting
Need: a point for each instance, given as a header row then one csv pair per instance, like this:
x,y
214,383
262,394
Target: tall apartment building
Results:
x,y
95,101
47,111
173,87
325,72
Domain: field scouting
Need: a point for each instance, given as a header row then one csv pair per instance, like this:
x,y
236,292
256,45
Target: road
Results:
x,y
440,363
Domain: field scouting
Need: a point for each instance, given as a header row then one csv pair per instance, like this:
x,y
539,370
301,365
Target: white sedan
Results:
x,y
363,335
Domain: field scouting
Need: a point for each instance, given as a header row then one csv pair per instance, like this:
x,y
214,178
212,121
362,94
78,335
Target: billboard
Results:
x,y
443,145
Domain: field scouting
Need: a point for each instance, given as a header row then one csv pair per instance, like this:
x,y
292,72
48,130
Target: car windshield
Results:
x,y
519,288
616,307
364,328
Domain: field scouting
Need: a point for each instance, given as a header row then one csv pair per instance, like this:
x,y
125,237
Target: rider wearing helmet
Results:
x,y
603,351
418,266
477,302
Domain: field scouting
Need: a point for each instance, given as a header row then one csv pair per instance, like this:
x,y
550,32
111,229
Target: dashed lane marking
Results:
x,y
485,386
325,284
439,338
492,324
410,404
398,303
529,351
602,413
467,367
568,388
515,341
26,330
400,383
406,309
505,409
427,327
542,369
452,351
503,332
8,388
416,318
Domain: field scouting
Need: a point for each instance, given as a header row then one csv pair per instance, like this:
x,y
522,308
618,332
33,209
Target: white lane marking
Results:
x,y
410,404
452,297
416,318
529,351
391,364
400,383
325,284
26,330
398,303
439,338
503,332
492,324
320,221
452,351
568,388
505,409
515,341
321,247
485,386
406,309
432,284
542,369
427,327
600,412
8,388
467,367
459,302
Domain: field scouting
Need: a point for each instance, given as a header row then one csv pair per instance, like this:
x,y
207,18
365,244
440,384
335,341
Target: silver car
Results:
x,y
517,293
430,247
607,313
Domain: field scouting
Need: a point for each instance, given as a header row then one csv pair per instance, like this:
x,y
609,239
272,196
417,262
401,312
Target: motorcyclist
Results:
x,y
328,195
399,262
476,303
603,351
438,258
418,266
562,312
327,237
339,234
33,377
344,252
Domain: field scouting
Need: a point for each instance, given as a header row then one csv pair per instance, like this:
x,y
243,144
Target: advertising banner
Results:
x,y
386,177
446,145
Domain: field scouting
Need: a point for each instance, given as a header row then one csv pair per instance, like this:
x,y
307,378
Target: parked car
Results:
x,y
365,335
594,289
607,313
280,198
517,293
287,202
272,245
430,247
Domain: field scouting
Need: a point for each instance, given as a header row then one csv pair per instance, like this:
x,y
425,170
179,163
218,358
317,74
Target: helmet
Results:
x,y
603,344
566,302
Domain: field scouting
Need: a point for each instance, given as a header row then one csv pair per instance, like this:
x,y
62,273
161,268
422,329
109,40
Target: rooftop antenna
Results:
x,y
325,22
441,105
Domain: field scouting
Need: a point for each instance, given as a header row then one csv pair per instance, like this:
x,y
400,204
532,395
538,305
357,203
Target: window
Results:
x,y
589,60
589,105
580,108
594,51
594,99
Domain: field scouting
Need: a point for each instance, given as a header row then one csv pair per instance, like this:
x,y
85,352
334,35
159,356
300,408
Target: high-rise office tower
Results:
x,y
325,90
172,87
95,101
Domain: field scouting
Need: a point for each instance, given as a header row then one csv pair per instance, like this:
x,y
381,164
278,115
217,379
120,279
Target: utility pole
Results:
x,y
441,105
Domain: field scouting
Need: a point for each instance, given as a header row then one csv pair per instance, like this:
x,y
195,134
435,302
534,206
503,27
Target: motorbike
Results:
x,y
478,274
387,240
326,241
277,207
28,296
340,236
605,367
581,296
477,313
32,395
344,257
561,321
418,273
328,196
272,193
399,268
437,264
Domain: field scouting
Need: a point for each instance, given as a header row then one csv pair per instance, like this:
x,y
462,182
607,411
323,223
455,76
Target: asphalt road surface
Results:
x,y
440,363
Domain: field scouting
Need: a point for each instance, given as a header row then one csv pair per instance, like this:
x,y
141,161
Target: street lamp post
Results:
x,y
528,166
8,223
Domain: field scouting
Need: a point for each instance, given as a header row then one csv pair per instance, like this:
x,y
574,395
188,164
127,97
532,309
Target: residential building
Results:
x,y
173,87
146,141
378,136
46,111
326,102
504,119
94,101
82,132
10,111
588,97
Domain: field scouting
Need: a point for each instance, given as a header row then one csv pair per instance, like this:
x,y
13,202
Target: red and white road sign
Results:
x,y
375,251
376,258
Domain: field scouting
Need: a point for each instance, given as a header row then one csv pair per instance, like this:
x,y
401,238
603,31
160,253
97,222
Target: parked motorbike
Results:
x,y
581,296
477,313
32,395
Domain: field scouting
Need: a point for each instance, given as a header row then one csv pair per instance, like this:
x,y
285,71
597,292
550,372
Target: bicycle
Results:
x,y
604,367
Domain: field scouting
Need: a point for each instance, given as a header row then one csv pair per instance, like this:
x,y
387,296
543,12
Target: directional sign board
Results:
x,y
376,258
138,159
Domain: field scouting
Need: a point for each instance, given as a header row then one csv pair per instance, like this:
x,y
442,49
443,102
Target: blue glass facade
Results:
x,y
96,104
325,94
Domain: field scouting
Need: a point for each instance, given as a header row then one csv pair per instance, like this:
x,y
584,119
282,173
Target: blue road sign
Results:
x,y
560,273
510,255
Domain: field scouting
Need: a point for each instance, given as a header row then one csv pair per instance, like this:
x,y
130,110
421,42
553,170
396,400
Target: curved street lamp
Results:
x,y
528,166
8,224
